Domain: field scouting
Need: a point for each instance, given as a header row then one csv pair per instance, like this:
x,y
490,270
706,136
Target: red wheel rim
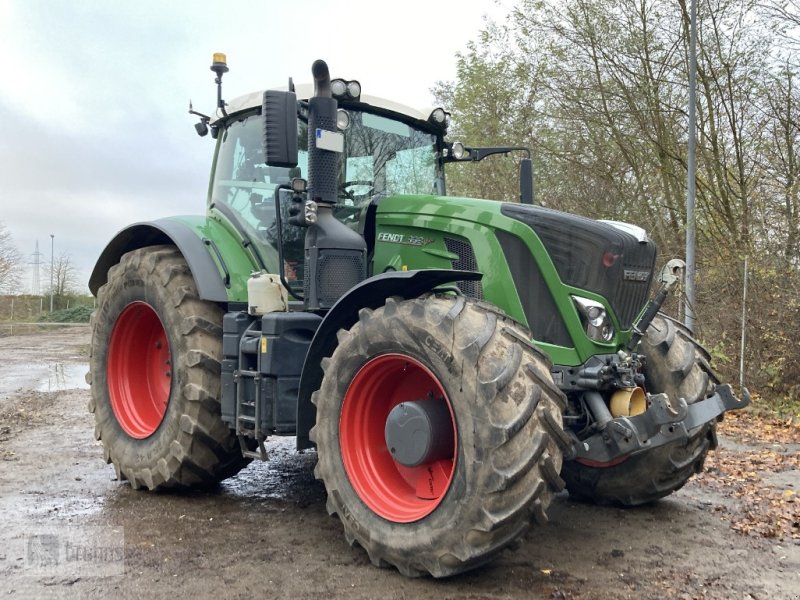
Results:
x,y
139,370
395,492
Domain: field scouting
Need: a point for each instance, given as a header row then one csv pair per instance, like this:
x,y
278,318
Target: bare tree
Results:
x,y
10,262
65,276
786,24
599,90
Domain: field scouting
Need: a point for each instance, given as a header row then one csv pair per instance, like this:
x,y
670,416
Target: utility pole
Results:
x,y
36,287
744,327
690,170
52,264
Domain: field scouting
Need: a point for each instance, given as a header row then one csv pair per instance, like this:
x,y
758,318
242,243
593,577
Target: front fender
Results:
x,y
218,262
370,293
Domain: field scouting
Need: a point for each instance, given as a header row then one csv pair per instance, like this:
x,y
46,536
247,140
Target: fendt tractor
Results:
x,y
454,362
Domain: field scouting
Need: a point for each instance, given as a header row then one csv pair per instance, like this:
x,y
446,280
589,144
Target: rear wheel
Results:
x,y
438,432
679,367
154,374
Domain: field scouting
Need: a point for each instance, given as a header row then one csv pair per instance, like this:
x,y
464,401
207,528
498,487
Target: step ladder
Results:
x,y
248,413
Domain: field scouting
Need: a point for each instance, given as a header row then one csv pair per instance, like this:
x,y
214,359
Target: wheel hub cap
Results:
x,y
381,412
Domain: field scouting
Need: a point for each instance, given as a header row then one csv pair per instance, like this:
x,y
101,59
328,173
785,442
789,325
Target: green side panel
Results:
x,y
234,258
410,234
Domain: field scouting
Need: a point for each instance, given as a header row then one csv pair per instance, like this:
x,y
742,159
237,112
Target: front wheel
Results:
x,y
155,375
438,432
679,367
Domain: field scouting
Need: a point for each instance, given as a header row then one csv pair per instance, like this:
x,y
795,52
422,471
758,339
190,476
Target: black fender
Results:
x,y
370,293
211,284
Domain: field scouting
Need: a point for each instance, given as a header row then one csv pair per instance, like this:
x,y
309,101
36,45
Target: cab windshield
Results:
x,y
382,157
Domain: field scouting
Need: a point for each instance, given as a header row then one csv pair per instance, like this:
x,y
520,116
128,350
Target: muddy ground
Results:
x,y
266,533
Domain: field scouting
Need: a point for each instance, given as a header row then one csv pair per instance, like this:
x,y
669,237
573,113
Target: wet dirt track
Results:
x,y
266,532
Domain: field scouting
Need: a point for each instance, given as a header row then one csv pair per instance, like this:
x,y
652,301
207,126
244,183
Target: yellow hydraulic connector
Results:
x,y
628,402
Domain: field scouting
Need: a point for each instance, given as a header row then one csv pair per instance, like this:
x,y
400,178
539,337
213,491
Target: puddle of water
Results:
x,y
64,377
286,476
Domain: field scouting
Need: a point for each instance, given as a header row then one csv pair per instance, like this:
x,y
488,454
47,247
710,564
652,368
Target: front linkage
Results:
x,y
666,420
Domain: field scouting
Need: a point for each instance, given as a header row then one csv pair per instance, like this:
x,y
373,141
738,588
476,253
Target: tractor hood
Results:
x,y
614,260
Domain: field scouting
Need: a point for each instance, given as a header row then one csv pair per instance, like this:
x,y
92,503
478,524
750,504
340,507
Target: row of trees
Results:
x,y
13,268
599,90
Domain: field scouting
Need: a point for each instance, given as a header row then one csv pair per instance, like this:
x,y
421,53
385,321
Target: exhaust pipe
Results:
x,y
323,165
322,79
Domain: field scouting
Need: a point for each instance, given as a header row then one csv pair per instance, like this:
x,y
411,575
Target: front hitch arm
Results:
x,y
666,421
669,278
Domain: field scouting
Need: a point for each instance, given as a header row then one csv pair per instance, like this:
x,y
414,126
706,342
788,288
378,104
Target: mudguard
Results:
x,y
370,293
218,262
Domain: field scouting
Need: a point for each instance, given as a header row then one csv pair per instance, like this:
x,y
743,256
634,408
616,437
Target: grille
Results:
x,y
576,246
540,309
339,271
631,296
466,262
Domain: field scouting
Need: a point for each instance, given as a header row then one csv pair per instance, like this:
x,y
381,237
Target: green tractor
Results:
x,y
455,362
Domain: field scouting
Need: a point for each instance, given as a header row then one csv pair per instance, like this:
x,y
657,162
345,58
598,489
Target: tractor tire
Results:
x,y
502,419
680,367
155,376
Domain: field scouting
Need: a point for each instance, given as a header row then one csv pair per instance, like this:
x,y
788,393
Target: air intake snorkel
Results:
x,y
323,151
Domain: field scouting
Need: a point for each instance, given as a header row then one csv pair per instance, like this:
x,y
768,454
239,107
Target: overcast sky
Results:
x,y
94,93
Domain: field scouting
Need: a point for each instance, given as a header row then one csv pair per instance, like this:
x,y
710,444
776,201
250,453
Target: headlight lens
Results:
x,y
459,151
342,119
353,89
439,117
338,87
595,319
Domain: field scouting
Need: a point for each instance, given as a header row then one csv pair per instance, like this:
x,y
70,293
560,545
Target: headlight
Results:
x,y
459,151
342,119
345,89
338,87
439,117
595,319
353,89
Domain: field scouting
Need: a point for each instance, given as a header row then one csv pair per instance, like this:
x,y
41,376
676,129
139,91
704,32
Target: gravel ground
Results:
x,y
265,532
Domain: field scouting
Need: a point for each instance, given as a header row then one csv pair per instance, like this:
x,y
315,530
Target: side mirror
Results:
x,y
526,181
279,114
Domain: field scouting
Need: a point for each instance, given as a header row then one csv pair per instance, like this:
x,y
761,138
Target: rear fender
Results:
x,y
219,264
370,293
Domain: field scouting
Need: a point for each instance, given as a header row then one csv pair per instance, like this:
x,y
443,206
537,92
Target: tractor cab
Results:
x,y
387,150
384,153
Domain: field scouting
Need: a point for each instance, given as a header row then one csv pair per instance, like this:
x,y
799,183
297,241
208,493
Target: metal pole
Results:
x,y
744,325
690,170
52,263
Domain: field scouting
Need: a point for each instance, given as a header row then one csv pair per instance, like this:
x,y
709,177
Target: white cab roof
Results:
x,y
305,90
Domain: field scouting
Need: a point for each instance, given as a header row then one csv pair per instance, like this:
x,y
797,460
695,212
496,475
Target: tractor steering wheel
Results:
x,y
357,182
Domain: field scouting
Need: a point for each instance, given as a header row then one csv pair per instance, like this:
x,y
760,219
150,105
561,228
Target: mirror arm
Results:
x,y
477,154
